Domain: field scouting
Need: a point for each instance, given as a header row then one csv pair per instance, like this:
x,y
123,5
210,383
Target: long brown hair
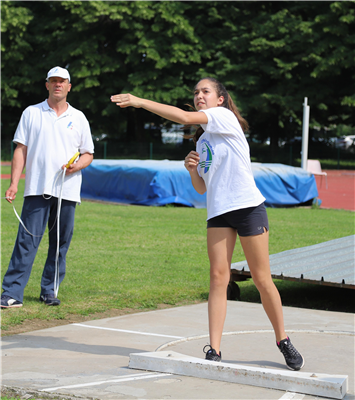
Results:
x,y
227,103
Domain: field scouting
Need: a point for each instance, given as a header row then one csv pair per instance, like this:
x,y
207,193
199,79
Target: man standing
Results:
x,y
47,137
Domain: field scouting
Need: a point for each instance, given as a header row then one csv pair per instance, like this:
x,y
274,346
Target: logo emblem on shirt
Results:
x,y
70,125
207,155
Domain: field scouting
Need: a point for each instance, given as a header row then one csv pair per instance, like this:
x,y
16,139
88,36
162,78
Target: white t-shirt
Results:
x,y
225,164
51,142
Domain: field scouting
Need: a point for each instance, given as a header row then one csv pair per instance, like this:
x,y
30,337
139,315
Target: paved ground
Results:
x,y
90,360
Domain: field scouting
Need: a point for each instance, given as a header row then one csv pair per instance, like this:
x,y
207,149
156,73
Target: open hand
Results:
x,y
124,100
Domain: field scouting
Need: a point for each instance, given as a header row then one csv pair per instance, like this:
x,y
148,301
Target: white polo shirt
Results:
x,y
51,142
225,164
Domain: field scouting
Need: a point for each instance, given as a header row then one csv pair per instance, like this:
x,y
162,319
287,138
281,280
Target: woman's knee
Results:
x,y
219,276
264,284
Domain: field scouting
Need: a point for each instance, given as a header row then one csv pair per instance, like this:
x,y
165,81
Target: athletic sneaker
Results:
x,y
49,300
211,354
293,358
9,302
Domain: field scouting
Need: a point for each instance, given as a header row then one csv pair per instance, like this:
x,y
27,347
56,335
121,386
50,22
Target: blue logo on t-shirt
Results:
x,y
207,154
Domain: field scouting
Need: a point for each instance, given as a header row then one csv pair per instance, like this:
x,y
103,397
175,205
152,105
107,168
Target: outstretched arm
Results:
x,y
171,113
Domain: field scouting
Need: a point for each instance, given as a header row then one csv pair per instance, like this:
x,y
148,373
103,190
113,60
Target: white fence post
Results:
x,y
305,134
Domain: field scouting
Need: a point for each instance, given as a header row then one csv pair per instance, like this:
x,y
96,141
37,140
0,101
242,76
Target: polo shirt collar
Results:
x,y
46,107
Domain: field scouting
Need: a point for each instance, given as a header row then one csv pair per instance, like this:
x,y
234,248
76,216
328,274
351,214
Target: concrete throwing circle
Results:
x,y
178,341
322,350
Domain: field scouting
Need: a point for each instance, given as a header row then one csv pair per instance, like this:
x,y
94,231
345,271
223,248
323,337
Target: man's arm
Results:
x,y
17,166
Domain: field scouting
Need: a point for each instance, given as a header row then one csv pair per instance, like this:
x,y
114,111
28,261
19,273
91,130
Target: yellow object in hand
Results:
x,y
75,156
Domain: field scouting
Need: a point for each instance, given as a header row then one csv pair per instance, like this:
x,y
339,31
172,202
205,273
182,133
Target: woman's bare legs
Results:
x,y
220,245
256,250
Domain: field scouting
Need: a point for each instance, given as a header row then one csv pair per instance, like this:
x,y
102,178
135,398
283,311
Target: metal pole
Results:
x,y
105,150
305,134
151,150
291,154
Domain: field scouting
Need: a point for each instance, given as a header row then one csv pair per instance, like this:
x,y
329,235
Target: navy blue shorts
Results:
x,y
247,221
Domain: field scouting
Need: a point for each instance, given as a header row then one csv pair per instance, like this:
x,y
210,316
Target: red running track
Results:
x,y
340,192
8,176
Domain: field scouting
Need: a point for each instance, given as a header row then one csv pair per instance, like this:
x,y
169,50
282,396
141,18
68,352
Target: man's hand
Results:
x,y
71,169
84,160
10,193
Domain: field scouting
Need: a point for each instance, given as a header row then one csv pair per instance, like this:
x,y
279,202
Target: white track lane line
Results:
x,y
125,378
291,395
125,331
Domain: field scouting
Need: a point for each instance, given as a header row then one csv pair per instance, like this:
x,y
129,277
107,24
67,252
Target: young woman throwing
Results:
x,y
221,166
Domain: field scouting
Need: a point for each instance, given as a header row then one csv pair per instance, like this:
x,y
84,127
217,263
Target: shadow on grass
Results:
x,y
305,295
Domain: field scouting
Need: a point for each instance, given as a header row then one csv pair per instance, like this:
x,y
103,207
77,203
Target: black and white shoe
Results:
x,y
211,354
9,302
49,300
293,358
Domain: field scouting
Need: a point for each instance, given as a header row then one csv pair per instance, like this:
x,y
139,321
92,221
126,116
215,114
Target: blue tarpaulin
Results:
x,y
157,183
283,185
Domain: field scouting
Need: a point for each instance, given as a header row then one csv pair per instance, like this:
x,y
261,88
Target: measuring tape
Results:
x,y
75,156
56,272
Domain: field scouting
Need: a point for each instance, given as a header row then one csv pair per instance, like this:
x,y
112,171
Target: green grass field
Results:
x,y
139,258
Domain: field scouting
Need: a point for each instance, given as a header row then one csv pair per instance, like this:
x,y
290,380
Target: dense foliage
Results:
x,y
270,55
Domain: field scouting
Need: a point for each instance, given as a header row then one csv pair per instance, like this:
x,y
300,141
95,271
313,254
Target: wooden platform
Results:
x,y
329,263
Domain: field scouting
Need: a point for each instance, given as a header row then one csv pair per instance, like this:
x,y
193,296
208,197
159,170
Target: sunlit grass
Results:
x,y
140,257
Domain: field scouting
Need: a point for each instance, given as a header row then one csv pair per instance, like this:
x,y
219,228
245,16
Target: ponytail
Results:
x,y
231,106
199,132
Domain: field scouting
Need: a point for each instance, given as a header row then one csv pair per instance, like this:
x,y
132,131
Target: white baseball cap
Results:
x,y
59,72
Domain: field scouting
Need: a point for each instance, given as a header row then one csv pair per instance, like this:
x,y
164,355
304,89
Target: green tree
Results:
x,y
274,55
108,47
270,55
15,48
